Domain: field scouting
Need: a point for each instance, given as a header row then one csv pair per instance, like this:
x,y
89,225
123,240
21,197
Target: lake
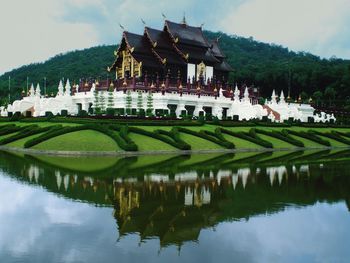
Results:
x,y
243,207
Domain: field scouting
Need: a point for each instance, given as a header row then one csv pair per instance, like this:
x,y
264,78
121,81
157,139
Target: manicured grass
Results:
x,y
307,142
89,140
146,143
20,143
83,163
277,143
198,143
240,143
334,143
86,140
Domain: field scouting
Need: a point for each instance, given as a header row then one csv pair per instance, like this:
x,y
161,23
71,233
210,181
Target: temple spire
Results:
x,y
184,20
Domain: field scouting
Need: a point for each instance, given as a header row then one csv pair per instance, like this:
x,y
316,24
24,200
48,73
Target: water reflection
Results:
x,y
175,198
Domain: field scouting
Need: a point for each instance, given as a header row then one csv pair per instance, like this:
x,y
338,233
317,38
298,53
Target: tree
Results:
x,y
102,102
97,107
330,94
317,96
139,101
110,101
149,110
304,97
128,102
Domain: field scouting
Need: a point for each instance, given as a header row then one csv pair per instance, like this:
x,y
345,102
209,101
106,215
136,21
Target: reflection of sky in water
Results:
x,y
37,226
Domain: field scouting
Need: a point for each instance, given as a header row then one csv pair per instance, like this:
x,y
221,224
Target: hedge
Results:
x,y
309,136
157,136
10,129
218,135
284,136
26,132
130,121
251,137
332,135
175,135
64,130
126,143
202,134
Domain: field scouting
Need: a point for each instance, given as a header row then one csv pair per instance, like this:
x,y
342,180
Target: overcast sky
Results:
x,y
35,30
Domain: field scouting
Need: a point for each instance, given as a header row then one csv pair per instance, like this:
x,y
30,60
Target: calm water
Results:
x,y
280,207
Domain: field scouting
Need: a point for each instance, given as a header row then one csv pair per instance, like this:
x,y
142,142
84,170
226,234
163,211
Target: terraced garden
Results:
x,y
105,137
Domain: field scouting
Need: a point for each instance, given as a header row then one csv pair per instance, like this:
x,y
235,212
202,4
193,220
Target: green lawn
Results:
x,y
307,142
277,143
20,143
240,143
86,140
199,143
89,140
146,143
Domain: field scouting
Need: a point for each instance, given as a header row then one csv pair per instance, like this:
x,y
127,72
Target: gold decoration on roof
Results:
x,y
164,60
132,49
108,69
187,56
176,40
115,53
155,44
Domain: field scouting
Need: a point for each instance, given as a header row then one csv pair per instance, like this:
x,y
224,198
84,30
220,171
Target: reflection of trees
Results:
x,y
174,199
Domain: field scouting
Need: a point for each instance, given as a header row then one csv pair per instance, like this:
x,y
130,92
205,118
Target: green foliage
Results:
x,y
128,102
149,109
97,106
110,101
175,135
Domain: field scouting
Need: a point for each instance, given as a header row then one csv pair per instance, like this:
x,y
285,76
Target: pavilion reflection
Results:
x,y
173,203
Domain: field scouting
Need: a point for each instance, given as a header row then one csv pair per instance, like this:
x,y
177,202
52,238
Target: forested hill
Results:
x,y
255,63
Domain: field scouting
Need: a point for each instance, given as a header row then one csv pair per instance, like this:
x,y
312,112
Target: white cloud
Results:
x,y
32,32
313,25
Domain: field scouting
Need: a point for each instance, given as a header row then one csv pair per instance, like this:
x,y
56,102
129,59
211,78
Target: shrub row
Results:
x,y
218,135
202,134
175,135
57,132
126,143
332,135
251,137
10,129
284,136
157,136
130,121
236,124
26,132
309,136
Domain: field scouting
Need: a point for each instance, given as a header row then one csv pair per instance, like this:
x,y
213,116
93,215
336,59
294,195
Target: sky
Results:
x,y
33,31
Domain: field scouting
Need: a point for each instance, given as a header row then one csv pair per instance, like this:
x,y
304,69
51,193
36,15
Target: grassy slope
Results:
x,y
87,140
146,143
95,141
